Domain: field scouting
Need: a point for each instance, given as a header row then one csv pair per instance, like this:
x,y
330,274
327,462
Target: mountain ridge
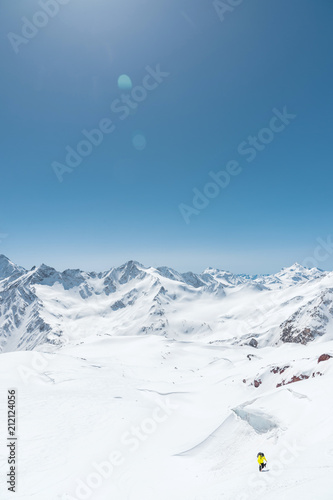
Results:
x,y
43,306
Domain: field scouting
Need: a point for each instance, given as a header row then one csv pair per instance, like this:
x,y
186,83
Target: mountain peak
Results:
x,y
129,271
130,264
43,269
298,274
297,266
44,274
7,267
133,263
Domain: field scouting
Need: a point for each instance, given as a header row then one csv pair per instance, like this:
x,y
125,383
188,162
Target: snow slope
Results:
x,y
180,419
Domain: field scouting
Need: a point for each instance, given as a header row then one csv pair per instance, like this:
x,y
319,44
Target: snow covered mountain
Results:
x,y
44,306
139,383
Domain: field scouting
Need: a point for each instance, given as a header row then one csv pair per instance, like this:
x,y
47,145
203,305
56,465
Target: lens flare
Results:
x,y
124,82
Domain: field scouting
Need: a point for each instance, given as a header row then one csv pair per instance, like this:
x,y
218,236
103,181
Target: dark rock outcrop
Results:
x,y
324,357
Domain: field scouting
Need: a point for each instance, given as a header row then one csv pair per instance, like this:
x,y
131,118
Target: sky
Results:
x,y
180,132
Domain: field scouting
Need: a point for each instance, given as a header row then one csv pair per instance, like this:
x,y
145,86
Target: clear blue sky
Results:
x,y
225,78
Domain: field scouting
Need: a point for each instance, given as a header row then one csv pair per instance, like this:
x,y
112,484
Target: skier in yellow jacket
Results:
x,y
261,461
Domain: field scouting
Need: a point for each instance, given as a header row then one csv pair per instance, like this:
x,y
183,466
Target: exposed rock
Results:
x,y
324,357
192,279
129,271
295,378
256,383
170,273
118,305
8,268
291,334
253,343
277,369
156,311
310,320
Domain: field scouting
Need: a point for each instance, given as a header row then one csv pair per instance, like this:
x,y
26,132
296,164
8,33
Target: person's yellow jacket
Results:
x,y
261,459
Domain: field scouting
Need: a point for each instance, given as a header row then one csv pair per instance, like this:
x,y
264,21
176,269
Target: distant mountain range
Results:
x,y
45,307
